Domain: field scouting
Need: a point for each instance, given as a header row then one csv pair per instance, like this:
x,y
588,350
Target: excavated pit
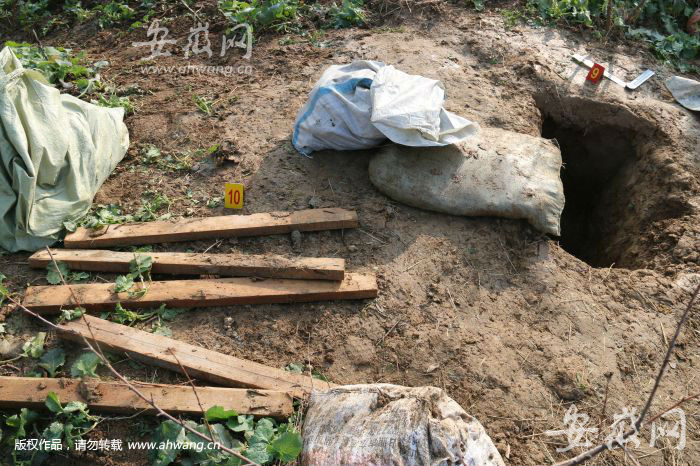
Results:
x,y
595,162
613,182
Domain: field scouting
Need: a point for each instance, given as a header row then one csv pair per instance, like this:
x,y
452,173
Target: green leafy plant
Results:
x,y
55,270
151,155
292,15
139,266
25,13
112,100
34,348
660,23
299,369
348,14
4,292
204,105
65,423
264,441
71,314
102,215
159,316
278,15
57,64
113,13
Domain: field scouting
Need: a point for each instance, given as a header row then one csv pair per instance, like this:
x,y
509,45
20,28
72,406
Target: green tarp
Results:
x,y
55,153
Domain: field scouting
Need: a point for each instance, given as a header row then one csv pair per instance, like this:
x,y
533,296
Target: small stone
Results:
x,y
296,240
228,322
314,202
352,248
10,349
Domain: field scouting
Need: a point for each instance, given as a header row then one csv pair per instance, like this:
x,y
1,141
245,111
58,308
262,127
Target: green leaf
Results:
x,y
53,276
125,316
210,456
295,368
21,420
163,330
74,406
79,276
53,431
72,314
167,313
85,365
35,347
243,423
258,453
140,264
263,433
52,360
218,413
53,404
4,292
123,283
166,431
287,446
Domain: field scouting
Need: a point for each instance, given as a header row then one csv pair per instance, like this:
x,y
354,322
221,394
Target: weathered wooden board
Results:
x,y
199,362
226,226
200,293
31,392
185,263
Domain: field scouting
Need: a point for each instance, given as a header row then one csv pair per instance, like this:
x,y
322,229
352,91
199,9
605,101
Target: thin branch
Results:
x,y
196,395
588,454
675,405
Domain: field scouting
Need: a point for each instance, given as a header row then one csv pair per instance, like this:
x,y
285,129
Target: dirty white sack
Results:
x,y
360,105
685,91
55,153
497,173
391,425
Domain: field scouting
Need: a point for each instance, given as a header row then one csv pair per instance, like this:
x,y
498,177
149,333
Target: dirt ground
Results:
x,y
514,325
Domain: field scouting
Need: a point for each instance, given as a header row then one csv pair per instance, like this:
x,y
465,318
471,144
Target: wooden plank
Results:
x,y
200,293
185,263
198,362
31,392
270,223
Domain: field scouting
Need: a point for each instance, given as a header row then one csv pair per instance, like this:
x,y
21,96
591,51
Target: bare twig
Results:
x,y
588,454
389,331
680,402
194,389
194,13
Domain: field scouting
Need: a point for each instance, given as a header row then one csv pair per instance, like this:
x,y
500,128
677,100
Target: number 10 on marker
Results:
x,y
234,196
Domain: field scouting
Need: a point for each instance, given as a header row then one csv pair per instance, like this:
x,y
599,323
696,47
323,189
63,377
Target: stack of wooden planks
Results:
x,y
244,279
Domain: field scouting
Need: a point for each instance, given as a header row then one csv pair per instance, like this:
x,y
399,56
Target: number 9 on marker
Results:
x,y
596,73
234,196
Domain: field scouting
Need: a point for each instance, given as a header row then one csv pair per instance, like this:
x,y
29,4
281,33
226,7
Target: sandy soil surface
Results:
x,y
515,325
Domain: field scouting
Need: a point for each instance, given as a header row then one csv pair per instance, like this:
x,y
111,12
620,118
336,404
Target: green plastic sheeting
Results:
x,y
55,153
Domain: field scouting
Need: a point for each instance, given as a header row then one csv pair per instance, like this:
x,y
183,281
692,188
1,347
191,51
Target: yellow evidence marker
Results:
x,y
234,196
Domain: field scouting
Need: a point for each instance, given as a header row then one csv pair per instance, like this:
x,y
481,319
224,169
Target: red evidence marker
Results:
x,y
595,74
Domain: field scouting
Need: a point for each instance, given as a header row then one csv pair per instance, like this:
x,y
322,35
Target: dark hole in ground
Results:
x,y
597,161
